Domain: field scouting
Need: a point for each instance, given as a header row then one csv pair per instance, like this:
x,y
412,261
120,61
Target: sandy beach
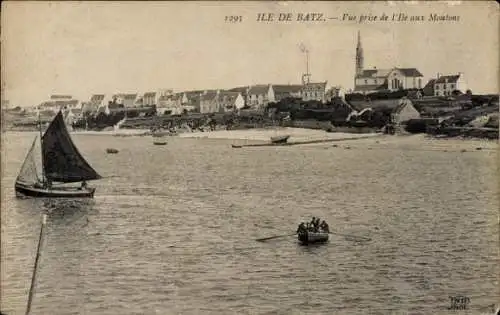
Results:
x,y
296,135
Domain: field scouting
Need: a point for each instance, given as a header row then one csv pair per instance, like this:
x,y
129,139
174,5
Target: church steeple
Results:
x,y
359,57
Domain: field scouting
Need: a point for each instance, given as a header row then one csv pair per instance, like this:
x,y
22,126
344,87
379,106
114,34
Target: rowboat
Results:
x,y
61,163
111,151
309,237
280,139
159,142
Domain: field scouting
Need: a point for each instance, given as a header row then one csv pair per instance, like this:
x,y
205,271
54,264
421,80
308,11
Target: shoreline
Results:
x,y
298,136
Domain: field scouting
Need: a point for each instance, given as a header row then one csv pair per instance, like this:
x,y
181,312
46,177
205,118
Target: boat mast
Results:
x,y
41,148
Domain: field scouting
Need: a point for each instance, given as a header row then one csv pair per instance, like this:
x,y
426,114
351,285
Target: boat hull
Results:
x,y
308,237
159,143
23,190
280,139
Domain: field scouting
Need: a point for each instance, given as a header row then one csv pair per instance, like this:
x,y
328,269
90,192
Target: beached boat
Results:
x,y
111,151
309,237
280,139
62,163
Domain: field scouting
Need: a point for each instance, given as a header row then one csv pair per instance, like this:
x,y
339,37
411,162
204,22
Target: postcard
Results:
x,y
249,157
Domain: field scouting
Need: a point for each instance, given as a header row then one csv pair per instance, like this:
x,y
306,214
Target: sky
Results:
x,y
82,48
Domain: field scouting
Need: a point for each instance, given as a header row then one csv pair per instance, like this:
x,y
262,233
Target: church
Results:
x,y
378,80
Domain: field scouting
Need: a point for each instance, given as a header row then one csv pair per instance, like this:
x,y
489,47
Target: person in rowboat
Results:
x,y
313,223
302,227
324,226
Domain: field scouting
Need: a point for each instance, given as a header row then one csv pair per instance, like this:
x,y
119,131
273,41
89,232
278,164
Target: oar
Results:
x,y
361,238
273,237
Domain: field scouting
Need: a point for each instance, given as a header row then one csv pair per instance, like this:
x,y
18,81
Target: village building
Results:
x,y
128,100
282,91
333,93
149,99
57,103
169,104
97,100
230,101
404,112
374,80
314,92
191,100
444,85
209,102
259,96
243,90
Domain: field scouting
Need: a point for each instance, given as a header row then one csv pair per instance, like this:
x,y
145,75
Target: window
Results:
x,y
437,86
452,86
375,81
366,81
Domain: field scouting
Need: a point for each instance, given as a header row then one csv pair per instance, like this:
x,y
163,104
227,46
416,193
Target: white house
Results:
x,y
394,79
260,95
446,84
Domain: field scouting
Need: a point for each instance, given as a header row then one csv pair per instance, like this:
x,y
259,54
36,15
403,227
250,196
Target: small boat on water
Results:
x,y
62,163
309,237
313,232
236,146
280,139
159,142
111,151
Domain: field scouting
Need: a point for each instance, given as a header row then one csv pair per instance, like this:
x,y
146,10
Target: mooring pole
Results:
x,y
35,267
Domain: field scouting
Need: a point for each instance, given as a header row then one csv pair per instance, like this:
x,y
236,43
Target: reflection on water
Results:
x,y
173,232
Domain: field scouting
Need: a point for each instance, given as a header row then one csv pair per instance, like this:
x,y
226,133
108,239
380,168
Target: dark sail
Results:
x,y
61,160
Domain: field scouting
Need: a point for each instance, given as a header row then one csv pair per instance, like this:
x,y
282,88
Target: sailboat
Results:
x,y
62,163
